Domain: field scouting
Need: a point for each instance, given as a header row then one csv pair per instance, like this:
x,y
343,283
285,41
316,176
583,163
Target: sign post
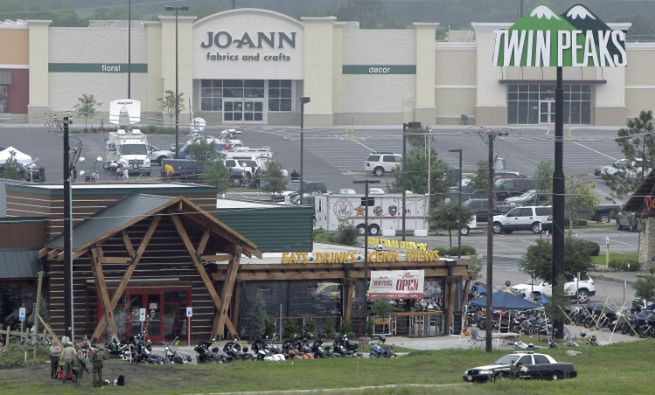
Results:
x,y
607,252
142,317
189,314
21,318
543,38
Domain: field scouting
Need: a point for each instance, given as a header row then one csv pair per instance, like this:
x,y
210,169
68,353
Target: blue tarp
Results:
x,y
505,301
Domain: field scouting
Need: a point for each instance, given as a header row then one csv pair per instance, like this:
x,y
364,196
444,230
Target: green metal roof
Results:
x,y
112,218
16,264
274,228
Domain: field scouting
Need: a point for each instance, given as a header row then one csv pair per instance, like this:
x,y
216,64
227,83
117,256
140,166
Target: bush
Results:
x,y
381,307
157,129
347,328
466,250
621,265
590,247
309,326
645,287
270,328
290,328
329,328
442,251
321,236
369,327
346,235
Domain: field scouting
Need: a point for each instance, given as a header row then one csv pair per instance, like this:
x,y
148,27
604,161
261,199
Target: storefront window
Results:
x,y
211,93
535,103
279,95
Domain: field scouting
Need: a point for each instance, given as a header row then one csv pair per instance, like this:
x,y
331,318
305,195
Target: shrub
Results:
x,y
329,328
591,247
270,328
322,236
309,326
621,265
466,250
369,327
290,328
442,251
346,235
645,287
347,328
381,307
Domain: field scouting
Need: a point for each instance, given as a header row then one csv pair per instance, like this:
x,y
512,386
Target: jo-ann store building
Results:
x,y
253,66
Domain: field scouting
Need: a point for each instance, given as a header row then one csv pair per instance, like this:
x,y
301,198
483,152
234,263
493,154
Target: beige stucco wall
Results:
x,y
83,45
185,58
455,82
155,81
640,79
425,111
318,70
38,57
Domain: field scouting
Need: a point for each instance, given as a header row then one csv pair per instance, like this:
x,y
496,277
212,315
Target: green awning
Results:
x,y
19,264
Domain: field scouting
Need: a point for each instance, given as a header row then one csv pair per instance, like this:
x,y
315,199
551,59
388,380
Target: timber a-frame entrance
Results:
x,y
145,240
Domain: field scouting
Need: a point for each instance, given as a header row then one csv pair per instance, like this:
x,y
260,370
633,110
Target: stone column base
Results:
x,y
38,114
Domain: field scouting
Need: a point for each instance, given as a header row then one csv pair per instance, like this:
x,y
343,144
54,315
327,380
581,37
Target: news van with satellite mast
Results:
x,y
127,148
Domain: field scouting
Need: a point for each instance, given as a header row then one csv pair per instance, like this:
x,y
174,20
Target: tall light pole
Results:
x,y
68,238
303,100
177,80
459,204
129,49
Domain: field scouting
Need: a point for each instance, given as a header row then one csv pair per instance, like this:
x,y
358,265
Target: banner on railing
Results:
x,y
396,284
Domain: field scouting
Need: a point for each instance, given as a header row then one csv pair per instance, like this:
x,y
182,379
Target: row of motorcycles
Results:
x,y
139,349
639,319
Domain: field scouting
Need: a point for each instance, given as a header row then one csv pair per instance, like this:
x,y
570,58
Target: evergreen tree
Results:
x,y
273,178
258,320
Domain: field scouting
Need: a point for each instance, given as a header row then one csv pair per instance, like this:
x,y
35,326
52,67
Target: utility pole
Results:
x,y
490,137
366,206
129,49
429,153
459,205
404,198
558,196
68,238
303,100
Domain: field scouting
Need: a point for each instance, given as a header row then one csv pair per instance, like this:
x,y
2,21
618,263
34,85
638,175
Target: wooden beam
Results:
x,y
201,270
43,252
52,254
128,244
127,275
115,260
452,292
48,329
36,309
203,242
236,303
216,258
103,294
348,290
226,294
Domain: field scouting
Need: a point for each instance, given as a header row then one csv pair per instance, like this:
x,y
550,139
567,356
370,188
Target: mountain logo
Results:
x,y
577,38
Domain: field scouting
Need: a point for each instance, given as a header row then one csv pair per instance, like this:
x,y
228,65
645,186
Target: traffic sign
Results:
x,y
21,314
189,312
142,314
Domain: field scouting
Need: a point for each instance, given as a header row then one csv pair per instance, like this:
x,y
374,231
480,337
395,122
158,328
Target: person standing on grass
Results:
x,y
55,354
97,359
68,356
79,366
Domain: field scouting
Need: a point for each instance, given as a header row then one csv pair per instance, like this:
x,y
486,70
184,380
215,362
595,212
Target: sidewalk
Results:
x,y
618,277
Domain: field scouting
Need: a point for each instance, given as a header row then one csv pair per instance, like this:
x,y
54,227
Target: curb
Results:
x,y
611,279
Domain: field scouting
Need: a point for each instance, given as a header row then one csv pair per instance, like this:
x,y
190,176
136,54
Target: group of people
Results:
x,y
73,362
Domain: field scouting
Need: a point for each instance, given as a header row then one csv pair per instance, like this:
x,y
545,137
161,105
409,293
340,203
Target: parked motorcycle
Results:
x,y
379,348
345,348
141,351
206,353
235,352
116,349
173,355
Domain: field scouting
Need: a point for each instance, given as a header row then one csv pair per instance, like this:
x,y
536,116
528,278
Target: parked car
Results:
x,y
581,291
527,198
382,162
631,168
628,221
605,212
534,218
507,174
479,207
190,170
524,365
158,155
508,187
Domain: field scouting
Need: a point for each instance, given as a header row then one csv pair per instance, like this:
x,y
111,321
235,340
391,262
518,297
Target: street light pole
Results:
x,y
404,199
459,204
303,100
177,78
129,49
68,233
366,206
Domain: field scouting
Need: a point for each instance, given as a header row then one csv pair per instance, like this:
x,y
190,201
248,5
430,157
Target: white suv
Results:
x,y
534,218
382,162
584,289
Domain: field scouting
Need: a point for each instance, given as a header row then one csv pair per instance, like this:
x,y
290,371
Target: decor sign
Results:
x,y
577,38
393,243
396,284
378,69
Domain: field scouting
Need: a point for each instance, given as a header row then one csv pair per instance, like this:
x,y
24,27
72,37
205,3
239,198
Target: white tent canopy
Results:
x,y
21,158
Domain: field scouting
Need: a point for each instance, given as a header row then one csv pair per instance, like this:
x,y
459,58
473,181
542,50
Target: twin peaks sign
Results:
x,y
577,38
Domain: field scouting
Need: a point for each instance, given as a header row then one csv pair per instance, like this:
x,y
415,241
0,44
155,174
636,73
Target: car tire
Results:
x,y
464,230
497,228
583,296
373,230
555,376
508,231
605,218
361,229
536,228
499,377
378,171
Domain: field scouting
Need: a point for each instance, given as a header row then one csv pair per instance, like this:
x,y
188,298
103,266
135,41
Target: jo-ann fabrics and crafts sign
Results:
x,y
577,38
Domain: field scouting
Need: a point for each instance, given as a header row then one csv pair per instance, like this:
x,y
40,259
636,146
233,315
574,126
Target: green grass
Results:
x,y
616,369
618,261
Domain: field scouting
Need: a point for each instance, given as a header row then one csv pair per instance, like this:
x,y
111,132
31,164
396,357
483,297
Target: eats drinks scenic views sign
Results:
x,y
577,38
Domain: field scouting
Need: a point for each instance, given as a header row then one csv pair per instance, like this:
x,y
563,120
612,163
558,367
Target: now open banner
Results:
x,y
396,284
576,38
